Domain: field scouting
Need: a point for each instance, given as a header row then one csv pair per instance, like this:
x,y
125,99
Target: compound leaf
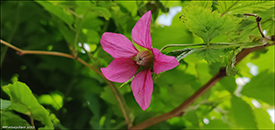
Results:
x,y
205,23
241,7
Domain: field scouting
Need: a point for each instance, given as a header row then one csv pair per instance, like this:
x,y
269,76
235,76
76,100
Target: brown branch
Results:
x,y
120,100
246,51
180,109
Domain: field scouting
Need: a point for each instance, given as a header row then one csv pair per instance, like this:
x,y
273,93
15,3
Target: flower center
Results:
x,y
144,58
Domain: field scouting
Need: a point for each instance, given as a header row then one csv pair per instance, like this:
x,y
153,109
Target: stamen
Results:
x,y
144,58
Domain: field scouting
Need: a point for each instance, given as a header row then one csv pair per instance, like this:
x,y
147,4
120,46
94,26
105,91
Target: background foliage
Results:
x,y
62,93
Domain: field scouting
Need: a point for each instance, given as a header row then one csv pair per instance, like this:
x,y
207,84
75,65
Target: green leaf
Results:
x,y
67,4
213,55
241,115
216,124
123,23
23,101
265,61
229,83
131,6
261,87
202,71
170,4
6,89
205,23
169,91
263,119
268,22
103,12
241,7
97,23
108,4
193,118
68,34
82,8
8,118
109,96
177,33
5,104
54,99
94,106
92,36
144,116
205,4
62,13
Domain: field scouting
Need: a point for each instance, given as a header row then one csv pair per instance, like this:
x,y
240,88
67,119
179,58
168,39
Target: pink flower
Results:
x,y
127,60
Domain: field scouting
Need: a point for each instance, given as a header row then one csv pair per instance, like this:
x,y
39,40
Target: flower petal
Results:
x,y
120,70
142,87
117,45
141,31
163,62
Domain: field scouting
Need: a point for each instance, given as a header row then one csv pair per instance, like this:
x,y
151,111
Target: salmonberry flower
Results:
x,y
127,60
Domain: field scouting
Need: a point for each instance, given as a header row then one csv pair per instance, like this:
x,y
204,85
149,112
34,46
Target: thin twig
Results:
x,y
258,20
112,86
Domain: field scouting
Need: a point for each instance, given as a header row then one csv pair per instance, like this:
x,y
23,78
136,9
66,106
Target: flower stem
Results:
x,y
180,45
213,45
